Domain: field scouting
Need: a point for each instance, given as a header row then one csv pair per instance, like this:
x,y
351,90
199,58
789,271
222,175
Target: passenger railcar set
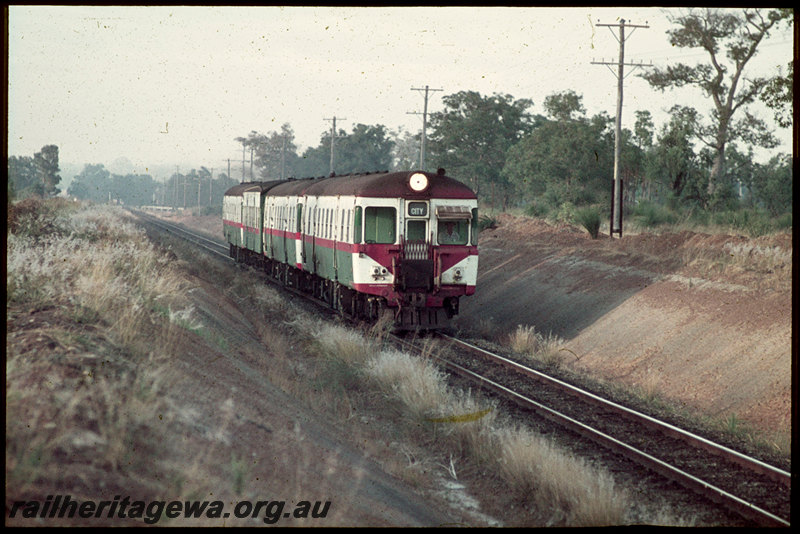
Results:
x,y
401,243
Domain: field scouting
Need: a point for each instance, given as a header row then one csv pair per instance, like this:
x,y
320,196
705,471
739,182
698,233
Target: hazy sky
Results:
x,y
176,85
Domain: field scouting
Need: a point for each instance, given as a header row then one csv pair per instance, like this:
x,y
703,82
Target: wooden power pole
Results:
x,y
333,138
616,202
424,124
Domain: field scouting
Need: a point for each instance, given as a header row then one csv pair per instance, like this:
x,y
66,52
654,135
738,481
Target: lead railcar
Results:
x,y
402,243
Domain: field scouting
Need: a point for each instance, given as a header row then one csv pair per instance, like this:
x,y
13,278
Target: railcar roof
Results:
x,y
380,185
239,189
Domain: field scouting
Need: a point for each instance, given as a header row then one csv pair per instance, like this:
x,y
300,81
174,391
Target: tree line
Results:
x,y
542,162
513,157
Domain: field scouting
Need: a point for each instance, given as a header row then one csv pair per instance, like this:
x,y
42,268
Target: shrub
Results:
x,y
649,214
784,221
486,222
565,213
211,210
751,222
537,209
589,218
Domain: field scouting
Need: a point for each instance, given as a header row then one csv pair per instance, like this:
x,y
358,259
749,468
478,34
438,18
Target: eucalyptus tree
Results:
x,y
471,137
566,158
730,39
367,148
275,154
46,163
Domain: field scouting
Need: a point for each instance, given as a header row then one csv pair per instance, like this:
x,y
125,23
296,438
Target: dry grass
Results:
x,y
527,341
574,492
564,490
88,375
419,385
98,320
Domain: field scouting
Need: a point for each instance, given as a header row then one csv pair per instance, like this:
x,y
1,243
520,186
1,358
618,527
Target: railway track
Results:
x,y
747,486
211,245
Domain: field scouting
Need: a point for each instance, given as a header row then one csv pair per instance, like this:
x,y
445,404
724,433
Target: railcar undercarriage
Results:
x,y
410,313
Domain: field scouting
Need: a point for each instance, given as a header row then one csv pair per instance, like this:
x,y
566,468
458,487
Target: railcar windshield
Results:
x,y
415,230
453,232
379,225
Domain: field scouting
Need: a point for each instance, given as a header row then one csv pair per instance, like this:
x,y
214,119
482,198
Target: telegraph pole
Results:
x,y
333,138
283,158
616,203
243,161
175,196
424,123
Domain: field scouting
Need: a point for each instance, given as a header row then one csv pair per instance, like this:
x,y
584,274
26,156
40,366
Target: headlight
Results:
x,y
379,273
418,182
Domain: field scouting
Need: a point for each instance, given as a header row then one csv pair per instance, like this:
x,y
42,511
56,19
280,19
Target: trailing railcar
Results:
x,y
402,243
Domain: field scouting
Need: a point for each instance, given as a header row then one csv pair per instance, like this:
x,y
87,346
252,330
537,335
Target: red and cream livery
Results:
x,y
403,243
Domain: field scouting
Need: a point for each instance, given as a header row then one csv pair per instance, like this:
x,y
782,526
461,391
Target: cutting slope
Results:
x,y
702,320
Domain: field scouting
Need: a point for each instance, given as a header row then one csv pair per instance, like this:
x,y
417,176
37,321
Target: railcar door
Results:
x,y
415,271
309,236
298,242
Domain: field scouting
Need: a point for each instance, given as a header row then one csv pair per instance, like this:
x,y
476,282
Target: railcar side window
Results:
x,y
474,227
357,225
299,218
379,225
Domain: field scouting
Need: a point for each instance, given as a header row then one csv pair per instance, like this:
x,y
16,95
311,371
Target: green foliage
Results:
x,y
730,38
97,184
672,160
568,159
46,163
784,222
471,138
405,155
366,149
537,208
649,214
778,95
589,218
773,185
565,213
751,222
564,106
274,154
486,222
36,176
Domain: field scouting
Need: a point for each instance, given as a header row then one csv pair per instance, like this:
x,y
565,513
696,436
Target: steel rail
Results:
x,y
203,241
688,480
753,464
